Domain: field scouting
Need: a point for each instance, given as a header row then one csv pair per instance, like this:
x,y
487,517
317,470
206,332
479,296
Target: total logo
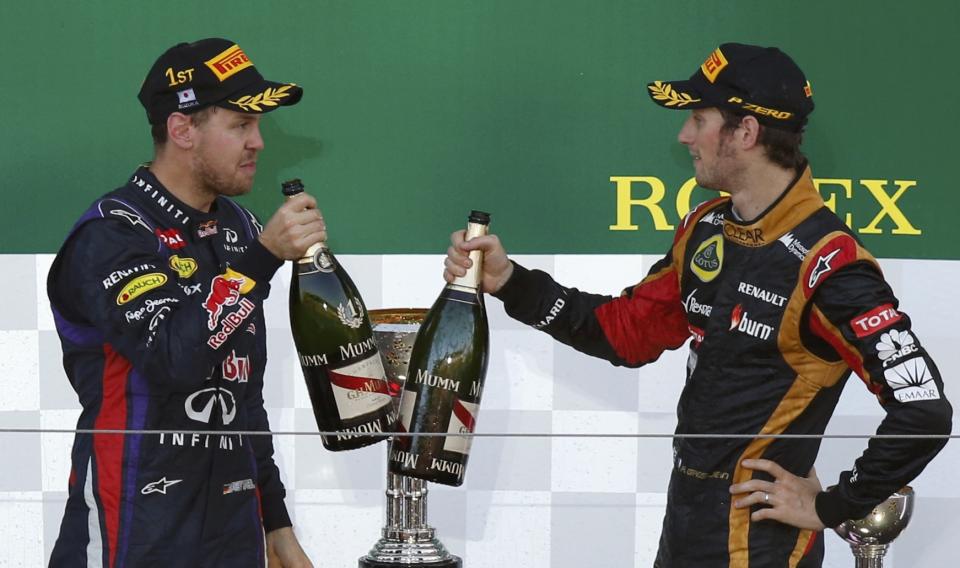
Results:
x,y
236,368
740,321
199,405
876,319
895,345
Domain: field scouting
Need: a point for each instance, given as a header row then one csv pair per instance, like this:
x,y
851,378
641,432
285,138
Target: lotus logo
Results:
x,y
199,405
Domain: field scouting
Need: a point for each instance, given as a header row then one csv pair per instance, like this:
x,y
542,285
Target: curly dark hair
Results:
x,y
782,146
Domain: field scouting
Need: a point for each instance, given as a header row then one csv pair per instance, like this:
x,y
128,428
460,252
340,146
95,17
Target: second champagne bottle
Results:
x,y
335,345
448,365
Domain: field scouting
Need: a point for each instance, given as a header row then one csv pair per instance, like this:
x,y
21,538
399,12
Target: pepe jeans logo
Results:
x,y
708,259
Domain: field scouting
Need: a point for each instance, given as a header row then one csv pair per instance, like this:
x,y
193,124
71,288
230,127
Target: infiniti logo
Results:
x,y
199,405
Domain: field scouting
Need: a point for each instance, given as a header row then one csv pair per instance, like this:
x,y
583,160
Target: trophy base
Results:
x,y
452,562
391,553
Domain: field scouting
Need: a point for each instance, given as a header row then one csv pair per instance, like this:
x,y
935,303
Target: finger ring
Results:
x,y
766,497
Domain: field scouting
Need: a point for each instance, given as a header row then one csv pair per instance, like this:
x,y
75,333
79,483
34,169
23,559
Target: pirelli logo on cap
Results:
x,y
714,65
229,62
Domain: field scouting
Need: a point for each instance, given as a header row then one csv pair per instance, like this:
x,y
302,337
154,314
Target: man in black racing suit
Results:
x,y
158,295
781,302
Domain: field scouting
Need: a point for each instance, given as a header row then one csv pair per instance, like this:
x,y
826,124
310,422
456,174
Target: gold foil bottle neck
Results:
x,y
471,280
312,252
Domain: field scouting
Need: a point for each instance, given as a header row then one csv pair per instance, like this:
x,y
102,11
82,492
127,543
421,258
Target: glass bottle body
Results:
x,y
341,366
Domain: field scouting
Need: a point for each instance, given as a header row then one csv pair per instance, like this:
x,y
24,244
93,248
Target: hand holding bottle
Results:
x,y
294,227
497,268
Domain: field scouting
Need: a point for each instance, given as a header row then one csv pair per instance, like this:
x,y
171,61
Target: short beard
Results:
x,y
215,184
726,169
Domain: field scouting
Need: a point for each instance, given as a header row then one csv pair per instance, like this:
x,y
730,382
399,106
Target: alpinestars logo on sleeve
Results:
x,y
823,266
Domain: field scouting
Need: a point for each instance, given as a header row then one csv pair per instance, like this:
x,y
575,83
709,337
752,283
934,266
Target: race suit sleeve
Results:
x,y
117,279
631,330
272,492
855,311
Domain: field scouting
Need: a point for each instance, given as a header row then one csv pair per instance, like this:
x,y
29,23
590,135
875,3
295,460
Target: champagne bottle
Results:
x,y
335,345
448,364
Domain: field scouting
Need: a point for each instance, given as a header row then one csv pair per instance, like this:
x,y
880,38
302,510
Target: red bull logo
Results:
x,y
224,291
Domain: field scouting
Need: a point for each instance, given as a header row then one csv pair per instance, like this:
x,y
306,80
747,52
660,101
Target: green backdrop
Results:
x,y
415,112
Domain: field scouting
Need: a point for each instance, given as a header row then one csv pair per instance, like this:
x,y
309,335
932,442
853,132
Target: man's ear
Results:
x,y
749,132
180,130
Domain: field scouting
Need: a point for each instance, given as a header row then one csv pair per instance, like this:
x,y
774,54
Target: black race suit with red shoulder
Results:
x,y
780,311
159,308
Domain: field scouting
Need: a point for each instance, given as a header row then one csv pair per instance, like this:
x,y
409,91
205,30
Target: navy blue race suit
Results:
x,y
159,308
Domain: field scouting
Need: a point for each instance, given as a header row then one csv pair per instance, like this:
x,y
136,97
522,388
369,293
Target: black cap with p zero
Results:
x,y
747,79
192,76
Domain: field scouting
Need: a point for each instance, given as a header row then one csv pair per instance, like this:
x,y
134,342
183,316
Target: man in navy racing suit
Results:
x,y
780,302
158,295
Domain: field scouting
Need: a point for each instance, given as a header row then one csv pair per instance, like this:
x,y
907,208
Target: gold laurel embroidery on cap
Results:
x,y
665,92
270,97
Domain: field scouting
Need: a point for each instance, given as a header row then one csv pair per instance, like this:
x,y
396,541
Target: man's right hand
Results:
x,y
497,268
296,226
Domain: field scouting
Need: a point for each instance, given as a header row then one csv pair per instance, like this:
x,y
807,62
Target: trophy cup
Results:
x,y
870,536
407,541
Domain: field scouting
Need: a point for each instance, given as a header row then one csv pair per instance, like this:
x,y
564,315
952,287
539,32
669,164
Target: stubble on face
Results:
x,y
218,180
224,158
725,170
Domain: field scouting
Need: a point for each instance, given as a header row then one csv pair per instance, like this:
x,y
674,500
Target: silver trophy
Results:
x,y
408,541
870,536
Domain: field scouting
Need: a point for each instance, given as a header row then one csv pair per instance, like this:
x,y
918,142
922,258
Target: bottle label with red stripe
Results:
x,y
360,387
462,421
